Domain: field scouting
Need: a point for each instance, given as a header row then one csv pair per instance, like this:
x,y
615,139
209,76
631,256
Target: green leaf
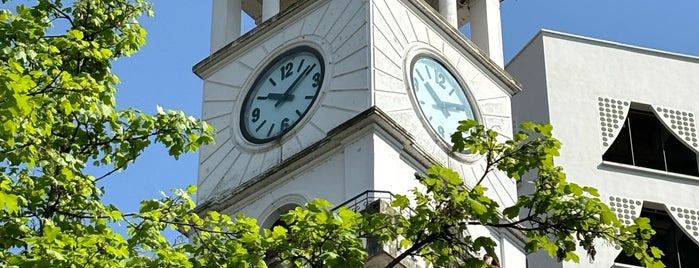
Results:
x,y
656,252
400,201
9,202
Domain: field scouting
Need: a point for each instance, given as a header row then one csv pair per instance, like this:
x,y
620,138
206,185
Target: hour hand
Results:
x,y
276,96
454,106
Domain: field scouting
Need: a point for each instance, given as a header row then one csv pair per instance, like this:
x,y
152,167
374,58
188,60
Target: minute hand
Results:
x,y
293,85
439,104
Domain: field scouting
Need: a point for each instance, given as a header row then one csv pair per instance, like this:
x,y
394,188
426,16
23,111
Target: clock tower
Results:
x,y
344,100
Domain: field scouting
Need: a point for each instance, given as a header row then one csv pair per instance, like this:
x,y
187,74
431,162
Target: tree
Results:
x,y
57,109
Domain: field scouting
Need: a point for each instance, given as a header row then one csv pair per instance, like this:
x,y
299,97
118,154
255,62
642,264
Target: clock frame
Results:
x,y
282,94
439,95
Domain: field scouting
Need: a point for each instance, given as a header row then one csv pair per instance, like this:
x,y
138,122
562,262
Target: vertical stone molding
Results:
x,y
612,114
269,9
486,28
687,219
681,123
225,23
447,8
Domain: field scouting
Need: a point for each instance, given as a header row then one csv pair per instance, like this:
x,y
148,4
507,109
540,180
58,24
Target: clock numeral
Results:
x,y
416,86
440,129
298,112
273,82
440,79
285,124
255,115
428,72
286,70
316,79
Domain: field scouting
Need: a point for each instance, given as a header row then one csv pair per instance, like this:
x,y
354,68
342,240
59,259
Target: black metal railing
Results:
x,y
362,200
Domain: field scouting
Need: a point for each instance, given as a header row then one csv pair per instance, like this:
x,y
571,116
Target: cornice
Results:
x,y
372,120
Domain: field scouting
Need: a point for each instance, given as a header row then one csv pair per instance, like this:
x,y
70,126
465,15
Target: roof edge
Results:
x,y
618,45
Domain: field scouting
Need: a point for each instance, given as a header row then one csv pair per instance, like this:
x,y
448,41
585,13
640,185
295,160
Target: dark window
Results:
x,y
680,251
645,142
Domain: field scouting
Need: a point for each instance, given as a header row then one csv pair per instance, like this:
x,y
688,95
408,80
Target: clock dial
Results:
x,y
439,95
282,94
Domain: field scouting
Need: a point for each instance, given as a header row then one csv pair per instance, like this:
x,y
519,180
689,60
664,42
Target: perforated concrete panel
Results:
x,y
682,123
612,113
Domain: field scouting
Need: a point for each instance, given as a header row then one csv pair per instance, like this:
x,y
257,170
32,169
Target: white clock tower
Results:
x,y
336,99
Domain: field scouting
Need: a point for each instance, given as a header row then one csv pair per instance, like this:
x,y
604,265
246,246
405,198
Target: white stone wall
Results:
x,y
398,33
337,176
338,29
367,46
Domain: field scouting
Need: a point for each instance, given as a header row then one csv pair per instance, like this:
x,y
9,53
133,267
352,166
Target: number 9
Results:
x,y
255,115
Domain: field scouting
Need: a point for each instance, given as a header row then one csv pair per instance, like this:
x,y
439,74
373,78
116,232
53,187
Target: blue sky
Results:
x,y
178,38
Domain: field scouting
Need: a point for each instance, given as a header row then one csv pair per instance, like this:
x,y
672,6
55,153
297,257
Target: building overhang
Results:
x,y
372,120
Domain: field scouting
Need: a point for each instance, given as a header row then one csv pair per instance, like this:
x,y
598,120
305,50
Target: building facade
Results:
x,y
626,117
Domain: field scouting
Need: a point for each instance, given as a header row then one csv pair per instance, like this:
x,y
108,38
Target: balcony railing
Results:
x,y
361,201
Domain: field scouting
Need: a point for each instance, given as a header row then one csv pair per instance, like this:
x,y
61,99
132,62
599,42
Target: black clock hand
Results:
x,y
439,103
291,88
275,96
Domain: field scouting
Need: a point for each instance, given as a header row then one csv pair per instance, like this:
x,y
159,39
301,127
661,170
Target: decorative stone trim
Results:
x,y
612,114
680,123
626,209
687,219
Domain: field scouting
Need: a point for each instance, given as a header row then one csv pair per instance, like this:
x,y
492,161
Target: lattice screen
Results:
x,y
612,114
687,219
681,123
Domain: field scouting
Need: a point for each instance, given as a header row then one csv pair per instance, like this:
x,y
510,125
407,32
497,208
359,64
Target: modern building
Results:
x,y
343,100
626,117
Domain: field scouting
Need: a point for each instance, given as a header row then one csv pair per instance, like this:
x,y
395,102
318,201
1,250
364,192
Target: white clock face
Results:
x,y
441,98
282,94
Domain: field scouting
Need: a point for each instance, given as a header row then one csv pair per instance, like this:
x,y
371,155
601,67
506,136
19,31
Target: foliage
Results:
x,y
58,115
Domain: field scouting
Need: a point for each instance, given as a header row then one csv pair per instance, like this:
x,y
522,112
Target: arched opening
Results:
x,y
679,249
275,219
645,142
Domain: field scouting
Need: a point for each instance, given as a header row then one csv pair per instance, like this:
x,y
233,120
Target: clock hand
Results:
x,y
275,96
288,91
451,106
434,95
438,103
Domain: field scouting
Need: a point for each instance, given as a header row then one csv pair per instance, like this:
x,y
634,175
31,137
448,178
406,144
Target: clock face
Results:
x,y
439,95
282,94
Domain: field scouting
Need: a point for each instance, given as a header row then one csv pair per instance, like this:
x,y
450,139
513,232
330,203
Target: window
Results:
x,y
645,142
680,251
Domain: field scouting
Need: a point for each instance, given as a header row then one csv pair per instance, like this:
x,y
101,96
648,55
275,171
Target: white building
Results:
x,y
627,119
322,100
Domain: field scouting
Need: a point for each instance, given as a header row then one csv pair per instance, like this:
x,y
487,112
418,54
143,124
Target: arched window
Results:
x,y
680,251
274,219
645,142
